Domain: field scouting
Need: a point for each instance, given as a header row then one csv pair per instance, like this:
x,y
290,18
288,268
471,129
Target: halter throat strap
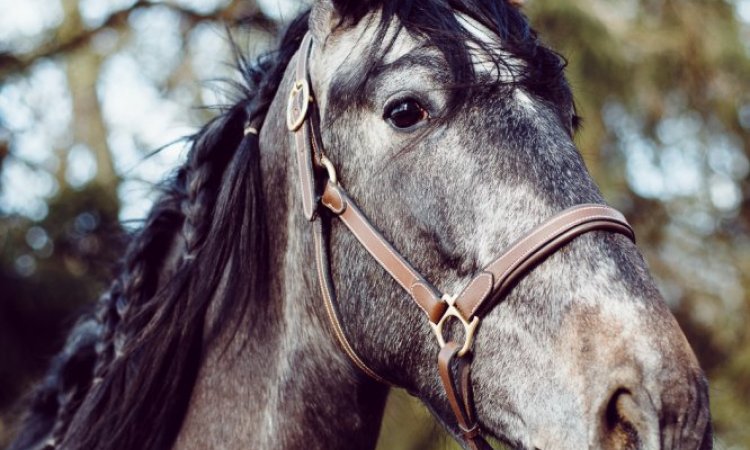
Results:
x,y
321,191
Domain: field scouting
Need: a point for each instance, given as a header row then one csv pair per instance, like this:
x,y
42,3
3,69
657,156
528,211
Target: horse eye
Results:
x,y
405,114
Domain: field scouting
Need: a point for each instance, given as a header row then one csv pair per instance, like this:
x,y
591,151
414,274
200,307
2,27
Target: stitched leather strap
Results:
x,y
499,275
329,301
460,395
298,109
533,248
301,121
424,294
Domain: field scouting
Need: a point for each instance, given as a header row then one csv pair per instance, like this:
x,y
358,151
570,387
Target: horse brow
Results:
x,y
359,87
416,57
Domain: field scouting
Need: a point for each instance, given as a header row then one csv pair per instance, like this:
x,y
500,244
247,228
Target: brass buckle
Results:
x,y
469,327
294,121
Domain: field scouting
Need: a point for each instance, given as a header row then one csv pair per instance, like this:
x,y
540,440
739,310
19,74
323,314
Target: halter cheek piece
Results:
x,y
317,173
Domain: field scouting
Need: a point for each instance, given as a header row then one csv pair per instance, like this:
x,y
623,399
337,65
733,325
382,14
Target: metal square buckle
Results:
x,y
469,327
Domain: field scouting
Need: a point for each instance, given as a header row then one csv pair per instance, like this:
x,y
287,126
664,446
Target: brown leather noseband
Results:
x,y
319,186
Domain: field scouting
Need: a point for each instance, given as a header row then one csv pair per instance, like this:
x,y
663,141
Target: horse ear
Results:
x,y
324,18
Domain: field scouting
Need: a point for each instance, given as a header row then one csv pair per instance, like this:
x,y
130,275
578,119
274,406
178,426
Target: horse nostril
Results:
x,y
628,422
619,429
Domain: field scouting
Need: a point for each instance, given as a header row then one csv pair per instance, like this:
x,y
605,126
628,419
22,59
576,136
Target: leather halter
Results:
x,y
320,187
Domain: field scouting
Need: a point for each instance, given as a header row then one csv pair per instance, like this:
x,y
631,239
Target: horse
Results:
x,y
387,152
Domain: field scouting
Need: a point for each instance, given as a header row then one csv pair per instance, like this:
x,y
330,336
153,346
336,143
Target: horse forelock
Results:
x,y
483,42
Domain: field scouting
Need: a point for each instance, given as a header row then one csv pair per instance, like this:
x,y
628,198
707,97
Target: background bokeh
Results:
x,y
90,88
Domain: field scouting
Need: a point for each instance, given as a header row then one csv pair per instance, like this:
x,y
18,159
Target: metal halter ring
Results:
x,y
294,121
469,327
325,162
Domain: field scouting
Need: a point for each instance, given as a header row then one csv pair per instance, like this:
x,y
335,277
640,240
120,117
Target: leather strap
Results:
x,y
534,247
459,393
499,275
424,294
298,109
329,301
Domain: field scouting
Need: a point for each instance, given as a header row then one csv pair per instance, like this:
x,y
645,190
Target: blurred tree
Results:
x,y
87,86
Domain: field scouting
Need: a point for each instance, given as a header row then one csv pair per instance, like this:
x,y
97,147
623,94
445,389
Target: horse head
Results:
x,y
452,126
439,134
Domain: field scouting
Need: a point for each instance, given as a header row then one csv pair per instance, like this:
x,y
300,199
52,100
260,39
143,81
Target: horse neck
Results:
x,y
281,381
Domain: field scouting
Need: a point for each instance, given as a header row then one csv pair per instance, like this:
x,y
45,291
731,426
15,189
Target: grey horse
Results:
x,y
452,126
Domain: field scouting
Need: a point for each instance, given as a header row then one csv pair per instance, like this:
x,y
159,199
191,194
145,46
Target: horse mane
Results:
x,y
126,374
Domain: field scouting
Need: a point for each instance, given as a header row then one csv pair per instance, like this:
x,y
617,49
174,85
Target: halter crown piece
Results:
x,y
484,291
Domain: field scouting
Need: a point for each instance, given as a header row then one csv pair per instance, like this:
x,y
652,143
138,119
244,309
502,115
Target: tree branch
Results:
x,y
11,64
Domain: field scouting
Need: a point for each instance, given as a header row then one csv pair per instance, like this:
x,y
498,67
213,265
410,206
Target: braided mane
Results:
x,y
125,375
